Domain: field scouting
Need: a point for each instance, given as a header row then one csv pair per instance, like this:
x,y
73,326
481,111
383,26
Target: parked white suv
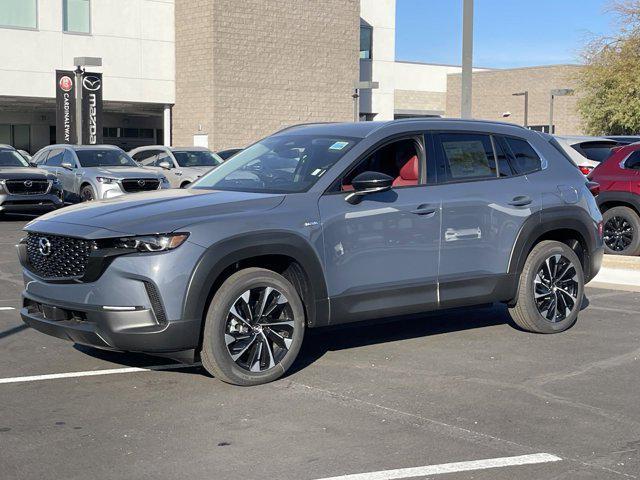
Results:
x,y
586,152
181,166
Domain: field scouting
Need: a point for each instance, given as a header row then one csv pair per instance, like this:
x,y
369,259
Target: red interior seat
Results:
x,y
408,173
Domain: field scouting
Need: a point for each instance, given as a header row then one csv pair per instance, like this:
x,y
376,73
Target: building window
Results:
x,y
366,38
19,13
76,16
18,136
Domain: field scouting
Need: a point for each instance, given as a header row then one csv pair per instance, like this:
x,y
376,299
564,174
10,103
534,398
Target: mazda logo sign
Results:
x,y
141,183
91,83
44,246
28,183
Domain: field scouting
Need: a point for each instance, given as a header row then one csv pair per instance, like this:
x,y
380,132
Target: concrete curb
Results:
x,y
621,262
618,272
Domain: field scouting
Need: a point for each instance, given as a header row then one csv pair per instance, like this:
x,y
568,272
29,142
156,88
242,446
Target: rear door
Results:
x,y
485,202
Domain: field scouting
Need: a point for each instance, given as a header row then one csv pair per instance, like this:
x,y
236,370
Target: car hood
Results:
x,y
23,173
198,171
122,172
161,211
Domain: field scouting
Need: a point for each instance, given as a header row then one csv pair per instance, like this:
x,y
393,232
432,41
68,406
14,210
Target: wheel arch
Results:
x,y
608,200
285,252
571,226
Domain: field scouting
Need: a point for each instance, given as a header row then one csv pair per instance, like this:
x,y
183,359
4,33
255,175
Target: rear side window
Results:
x,y
504,168
524,158
596,151
633,161
140,156
468,156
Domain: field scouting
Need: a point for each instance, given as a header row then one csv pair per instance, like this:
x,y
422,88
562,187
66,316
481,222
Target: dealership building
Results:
x,y
220,73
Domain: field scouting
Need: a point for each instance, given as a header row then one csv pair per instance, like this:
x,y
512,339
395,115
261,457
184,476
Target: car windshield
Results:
x,y
197,158
279,164
104,158
10,158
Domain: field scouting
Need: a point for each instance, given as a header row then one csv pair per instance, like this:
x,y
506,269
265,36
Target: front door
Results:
x,y
70,178
381,255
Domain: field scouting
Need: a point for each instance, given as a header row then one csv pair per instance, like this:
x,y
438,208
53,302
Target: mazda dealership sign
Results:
x,y
65,107
92,108
91,111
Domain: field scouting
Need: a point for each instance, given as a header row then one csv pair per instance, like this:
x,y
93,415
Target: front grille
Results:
x,y
27,187
53,256
140,184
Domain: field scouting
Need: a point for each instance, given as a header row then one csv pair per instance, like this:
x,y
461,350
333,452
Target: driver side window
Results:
x,y
401,160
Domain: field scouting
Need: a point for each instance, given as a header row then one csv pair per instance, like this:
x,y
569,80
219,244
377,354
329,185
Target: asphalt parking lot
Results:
x,y
434,390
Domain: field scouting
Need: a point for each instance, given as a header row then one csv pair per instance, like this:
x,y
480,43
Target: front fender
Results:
x,y
224,254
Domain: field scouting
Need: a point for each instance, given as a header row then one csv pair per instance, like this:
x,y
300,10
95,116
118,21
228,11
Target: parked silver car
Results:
x,y
181,166
586,152
94,172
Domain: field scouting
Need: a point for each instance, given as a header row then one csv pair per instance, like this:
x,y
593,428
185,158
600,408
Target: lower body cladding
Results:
x,y
10,203
136,305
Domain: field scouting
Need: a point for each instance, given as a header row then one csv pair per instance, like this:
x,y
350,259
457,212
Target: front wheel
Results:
x,y
87,194
550,290
253,328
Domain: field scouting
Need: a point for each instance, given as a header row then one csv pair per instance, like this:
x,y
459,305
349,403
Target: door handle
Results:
x,y
424,210
520,201
178,173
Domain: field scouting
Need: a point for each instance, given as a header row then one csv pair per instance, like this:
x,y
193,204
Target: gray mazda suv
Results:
x,y
320,225
93,172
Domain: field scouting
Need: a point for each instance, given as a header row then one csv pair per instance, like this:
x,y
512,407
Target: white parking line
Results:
x,y
451,467
93,373
6,308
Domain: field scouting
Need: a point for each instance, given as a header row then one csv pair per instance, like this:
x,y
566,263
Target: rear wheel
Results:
x,y
253,329
621,231
87,194
550,290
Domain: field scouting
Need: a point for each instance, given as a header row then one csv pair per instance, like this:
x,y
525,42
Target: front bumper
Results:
x,y
133,331
105,191
11,203
136,304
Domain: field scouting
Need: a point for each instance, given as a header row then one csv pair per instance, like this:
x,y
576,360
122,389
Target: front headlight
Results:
x,y
107,180
152,243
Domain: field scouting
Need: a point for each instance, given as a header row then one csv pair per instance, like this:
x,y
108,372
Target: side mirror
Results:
x,y
165,165
33,164
367,183
66,165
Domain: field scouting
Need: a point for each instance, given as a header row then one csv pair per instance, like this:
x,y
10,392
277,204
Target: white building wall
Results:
x,y
135,39
381,15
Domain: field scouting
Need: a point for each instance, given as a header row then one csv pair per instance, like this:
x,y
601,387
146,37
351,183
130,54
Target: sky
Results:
x,y
507,33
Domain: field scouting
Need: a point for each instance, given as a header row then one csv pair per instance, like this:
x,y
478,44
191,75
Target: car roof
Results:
x,y
364,129
84,147
4,146
172,149
584,138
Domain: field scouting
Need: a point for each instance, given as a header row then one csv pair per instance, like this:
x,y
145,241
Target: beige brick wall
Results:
x,y
492,96
245,69
420,100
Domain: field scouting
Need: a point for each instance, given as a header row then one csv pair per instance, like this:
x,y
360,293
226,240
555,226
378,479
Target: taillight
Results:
x,y
585,169
594,188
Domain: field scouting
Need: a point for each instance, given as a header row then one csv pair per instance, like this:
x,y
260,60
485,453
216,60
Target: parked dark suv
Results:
x,y
25,189
320,225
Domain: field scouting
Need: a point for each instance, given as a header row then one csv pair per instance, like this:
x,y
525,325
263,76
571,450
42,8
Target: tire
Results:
x,y
621,231
222,326
536,291
87,194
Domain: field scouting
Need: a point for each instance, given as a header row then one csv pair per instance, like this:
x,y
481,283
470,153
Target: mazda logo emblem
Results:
x,y
141,183
28,183
44,246
91,83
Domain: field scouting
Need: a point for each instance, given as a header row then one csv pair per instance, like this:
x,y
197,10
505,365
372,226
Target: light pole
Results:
x,y
556,92
467,59
356,96
81,62
524,94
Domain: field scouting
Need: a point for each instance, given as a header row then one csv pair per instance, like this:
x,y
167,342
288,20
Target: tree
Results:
x,y
609,84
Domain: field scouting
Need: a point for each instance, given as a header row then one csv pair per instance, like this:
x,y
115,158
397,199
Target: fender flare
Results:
x,y
559,218
621,197
224,254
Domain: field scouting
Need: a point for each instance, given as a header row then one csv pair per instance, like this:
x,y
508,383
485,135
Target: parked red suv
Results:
x,y
619,199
